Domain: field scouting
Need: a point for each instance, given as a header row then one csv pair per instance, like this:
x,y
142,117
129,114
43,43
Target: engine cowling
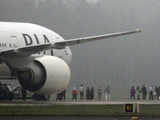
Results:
x,y
46,75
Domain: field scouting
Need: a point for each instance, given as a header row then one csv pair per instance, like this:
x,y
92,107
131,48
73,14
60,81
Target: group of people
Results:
x,y
87,93
107,93
144,93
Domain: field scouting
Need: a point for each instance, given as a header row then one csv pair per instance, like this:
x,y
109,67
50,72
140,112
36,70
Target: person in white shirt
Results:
x,y
81,91
107,93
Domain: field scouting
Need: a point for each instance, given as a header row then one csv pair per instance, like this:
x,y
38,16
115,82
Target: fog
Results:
x,y
119,62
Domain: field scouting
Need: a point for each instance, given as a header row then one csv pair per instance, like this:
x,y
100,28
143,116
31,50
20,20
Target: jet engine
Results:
x,y
45,75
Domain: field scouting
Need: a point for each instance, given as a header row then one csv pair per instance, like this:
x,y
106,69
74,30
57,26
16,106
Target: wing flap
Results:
x,y
35,48
25,51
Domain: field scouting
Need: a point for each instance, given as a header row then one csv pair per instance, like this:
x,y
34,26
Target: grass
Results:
x,y
60,109
76,110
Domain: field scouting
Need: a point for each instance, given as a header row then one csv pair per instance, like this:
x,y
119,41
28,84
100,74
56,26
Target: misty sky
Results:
x,y
120,62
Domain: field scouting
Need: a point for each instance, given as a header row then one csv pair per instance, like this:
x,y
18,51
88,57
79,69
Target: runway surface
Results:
x,y
57,110
68,118
109,102
30,102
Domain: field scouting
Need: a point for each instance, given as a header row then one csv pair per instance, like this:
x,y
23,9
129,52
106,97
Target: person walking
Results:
x,y
144,92
157,92
132,93
92,93
107,93
150,93
87,93
81,91
138,93
99,93
74,94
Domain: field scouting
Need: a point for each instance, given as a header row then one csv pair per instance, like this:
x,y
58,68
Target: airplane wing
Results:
x,y
71,42
28,50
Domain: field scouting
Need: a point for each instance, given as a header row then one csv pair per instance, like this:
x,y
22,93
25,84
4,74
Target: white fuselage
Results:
x,y
17,35
48,74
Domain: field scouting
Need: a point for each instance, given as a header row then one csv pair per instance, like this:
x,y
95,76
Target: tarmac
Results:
x,y
71,118
80,108
33,102
107,102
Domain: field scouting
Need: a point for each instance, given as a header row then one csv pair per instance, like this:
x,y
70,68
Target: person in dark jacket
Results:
x,y
157,91
150,93
64,94
87,93
144,92
59,96
92,93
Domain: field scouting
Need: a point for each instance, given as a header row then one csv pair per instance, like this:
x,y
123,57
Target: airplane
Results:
x,y
39,57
